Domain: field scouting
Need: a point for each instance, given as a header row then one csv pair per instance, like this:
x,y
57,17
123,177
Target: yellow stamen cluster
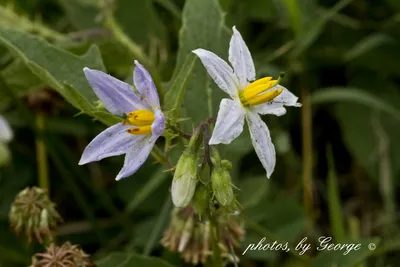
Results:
x,y
257,92
143,119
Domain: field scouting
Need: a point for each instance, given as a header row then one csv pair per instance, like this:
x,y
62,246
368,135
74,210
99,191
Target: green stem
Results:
x,y
41,154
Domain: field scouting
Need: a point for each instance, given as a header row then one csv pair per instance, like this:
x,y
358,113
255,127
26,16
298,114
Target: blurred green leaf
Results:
x,y
252,190
82,14
336,258
131,14
367,44
57,68
334,203
156,180
348,94
120,259
316,28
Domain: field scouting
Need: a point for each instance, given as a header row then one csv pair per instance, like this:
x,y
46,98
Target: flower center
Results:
x,y
256,92
143,119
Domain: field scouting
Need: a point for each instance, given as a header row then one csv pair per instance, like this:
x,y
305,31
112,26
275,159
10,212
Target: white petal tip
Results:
x,y
298,105
136,62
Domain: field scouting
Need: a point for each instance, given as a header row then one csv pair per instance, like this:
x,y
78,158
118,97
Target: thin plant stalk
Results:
x,y
41,154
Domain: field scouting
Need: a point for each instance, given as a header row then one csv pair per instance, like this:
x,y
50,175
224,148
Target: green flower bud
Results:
x,y
200,200
185,179
222,185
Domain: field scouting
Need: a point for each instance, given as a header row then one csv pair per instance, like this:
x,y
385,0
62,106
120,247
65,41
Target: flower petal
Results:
x,y
117,96
270,108
136,156
6,133
113,141
145,85
286,97
229,123
220,71
241,60
158,126
261,139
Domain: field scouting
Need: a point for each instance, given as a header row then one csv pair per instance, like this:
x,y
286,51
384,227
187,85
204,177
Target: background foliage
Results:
x,y
340,57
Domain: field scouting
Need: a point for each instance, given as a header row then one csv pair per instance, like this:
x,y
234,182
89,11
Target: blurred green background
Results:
x,y
338,157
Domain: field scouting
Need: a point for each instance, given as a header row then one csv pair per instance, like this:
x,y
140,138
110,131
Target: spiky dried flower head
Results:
x,y
67,255
34,214
189,235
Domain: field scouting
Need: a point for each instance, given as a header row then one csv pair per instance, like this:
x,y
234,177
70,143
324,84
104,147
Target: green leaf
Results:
x,y
316,28
120,259
55,67
367,44
335,210
176,93
336,258
355,95
203,26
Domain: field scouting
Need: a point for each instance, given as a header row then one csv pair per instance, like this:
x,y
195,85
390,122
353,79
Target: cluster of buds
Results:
x,y
66,255
34,214
190,235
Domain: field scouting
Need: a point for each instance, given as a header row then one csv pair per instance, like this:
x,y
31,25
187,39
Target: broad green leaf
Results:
x,y
121,259
367,44
316,28
334,203
202,27
55,67
356,96
336,258
176,93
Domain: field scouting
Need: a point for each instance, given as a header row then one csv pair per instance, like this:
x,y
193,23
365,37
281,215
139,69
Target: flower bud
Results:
x,y
185,179
222,185
200,200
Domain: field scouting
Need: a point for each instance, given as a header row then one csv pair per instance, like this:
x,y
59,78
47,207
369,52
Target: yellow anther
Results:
x,y
251,91
140,130
266,97
140,117
258,82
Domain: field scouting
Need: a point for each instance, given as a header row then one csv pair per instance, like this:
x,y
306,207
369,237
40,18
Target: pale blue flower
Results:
x,y
249,98
144,122
6,134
